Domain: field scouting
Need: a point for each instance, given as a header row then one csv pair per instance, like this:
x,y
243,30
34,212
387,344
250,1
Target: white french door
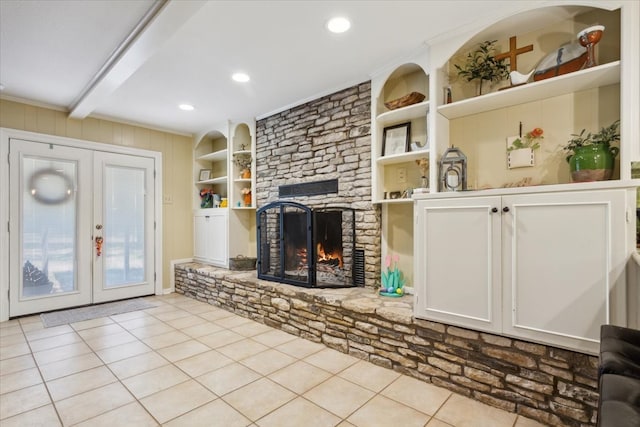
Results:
x,y
81,226
123,199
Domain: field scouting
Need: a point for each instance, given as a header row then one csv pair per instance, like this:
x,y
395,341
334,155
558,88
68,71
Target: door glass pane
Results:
x,y
124,226
49,206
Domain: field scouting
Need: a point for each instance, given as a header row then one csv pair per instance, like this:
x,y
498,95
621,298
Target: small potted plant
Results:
x,y
591,155
481,64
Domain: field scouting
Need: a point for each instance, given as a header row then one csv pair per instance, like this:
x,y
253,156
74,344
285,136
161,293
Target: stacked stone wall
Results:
x,y
327,138
554,386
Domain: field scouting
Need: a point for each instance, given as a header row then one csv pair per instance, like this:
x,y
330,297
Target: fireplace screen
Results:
x,y
306,247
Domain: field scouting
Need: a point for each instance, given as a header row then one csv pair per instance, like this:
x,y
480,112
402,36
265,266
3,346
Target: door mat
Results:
x,y
63,317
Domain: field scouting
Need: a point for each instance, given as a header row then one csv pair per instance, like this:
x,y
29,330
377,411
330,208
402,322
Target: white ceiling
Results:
x,y
52,52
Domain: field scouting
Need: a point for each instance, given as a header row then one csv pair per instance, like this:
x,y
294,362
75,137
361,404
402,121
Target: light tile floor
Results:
x,y
187,363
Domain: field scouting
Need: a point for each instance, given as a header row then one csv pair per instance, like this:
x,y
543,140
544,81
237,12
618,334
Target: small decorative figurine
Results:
x,y
392,279
99,241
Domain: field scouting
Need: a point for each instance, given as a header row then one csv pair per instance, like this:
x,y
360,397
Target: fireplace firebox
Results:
x,y
308,247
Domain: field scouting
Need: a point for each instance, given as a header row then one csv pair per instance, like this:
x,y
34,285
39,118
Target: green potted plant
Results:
x,y
481,64
591,155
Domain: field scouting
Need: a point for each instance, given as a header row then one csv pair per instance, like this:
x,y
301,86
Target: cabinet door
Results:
x,y
218,238
200,237
564,266
457,265
210,237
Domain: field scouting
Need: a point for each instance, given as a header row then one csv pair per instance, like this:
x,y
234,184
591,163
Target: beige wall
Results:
x,y
176,158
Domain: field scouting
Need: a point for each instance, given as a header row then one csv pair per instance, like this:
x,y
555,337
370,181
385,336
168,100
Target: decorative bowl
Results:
x,y
409,99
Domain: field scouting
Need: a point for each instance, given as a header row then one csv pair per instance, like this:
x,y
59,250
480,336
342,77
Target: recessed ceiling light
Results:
x,y
240,77
339,24
186,107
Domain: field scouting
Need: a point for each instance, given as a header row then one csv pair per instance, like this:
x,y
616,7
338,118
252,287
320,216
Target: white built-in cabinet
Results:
x,y
223,152
210,236
547,267
544,263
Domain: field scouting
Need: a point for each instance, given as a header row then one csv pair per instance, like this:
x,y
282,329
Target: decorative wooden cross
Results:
x,y
513,53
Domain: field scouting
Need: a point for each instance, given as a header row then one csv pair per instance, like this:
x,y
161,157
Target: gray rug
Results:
x,y
63,317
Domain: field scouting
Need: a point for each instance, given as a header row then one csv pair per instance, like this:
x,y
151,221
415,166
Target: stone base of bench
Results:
x,y
551,385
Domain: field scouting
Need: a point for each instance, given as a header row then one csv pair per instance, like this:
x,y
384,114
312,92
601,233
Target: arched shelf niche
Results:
x,y
562,105
210,164
545,29
241,138
242,166
402,81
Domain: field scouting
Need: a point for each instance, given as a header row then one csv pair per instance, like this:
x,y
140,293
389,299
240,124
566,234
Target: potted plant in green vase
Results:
x,y
591,156
481,64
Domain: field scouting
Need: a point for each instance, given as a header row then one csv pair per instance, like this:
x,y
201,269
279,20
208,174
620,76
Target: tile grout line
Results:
x,y
44,383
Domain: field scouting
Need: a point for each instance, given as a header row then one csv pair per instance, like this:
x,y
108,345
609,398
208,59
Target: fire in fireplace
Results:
x,y
308,247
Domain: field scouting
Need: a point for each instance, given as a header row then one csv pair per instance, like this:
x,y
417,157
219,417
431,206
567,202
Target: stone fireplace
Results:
x,y
327,139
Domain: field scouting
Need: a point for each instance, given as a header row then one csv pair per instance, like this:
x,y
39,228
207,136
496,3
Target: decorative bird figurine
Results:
x,y
519,78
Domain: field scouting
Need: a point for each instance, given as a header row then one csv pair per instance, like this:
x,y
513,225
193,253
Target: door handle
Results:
x,y
99,241
494,210
505,209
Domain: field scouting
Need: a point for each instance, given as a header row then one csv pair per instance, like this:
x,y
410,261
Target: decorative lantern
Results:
x,y
453,170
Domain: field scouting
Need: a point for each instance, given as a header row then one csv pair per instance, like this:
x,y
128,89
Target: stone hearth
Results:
x,y
555,386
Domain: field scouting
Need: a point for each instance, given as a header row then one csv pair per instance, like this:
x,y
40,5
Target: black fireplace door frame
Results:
x,y
314,239
279,276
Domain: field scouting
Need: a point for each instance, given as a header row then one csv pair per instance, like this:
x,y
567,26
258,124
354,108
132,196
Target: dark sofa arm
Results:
x,y
619,351
619,404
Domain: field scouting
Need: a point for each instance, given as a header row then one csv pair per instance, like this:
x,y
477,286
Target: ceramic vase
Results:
x,y
592,162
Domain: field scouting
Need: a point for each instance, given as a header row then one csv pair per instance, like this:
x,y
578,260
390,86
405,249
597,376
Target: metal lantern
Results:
x,y
453,170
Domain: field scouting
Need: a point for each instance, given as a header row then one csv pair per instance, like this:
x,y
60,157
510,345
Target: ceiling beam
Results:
x,y
158,25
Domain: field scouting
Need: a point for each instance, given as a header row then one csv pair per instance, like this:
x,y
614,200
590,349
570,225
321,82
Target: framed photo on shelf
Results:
x,y
205,174
395,139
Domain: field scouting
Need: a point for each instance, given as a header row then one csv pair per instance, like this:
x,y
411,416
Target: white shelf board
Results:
x,y
402,157
601,75
401,201
216,155
242,180
243,208
218,180
244,152
410,112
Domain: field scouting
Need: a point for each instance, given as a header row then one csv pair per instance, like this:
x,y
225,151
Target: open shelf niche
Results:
x,y
210,153
242,216
394,176
563,105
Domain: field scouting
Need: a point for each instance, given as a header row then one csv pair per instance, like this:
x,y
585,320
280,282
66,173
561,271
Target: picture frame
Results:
x,y
205,174
395,139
